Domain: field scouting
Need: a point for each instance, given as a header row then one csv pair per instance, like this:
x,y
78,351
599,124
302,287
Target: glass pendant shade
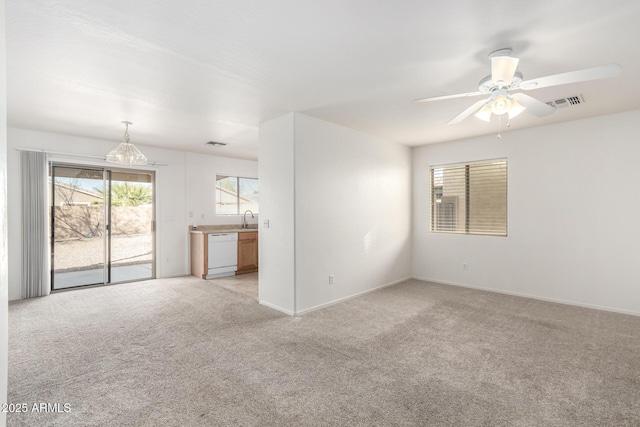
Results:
x,y
126,153
484,113
501,105
516,108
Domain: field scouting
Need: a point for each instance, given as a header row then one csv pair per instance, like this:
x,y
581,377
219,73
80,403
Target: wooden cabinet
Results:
x,y
247,252
199,255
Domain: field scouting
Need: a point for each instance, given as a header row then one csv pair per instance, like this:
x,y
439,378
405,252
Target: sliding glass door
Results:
x,y
131,231
78,227
102,226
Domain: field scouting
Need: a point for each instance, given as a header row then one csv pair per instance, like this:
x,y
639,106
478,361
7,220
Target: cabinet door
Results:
x,y
199,255
247,252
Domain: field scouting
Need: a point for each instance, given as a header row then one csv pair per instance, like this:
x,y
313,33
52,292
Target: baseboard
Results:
x,y
317,307
275,307
536,297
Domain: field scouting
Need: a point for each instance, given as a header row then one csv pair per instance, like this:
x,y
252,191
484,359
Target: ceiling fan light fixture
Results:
x,y
505,78
516,109
500,105
484,113
126,153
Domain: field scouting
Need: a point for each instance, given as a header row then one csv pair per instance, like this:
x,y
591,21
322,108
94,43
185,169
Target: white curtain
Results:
x,y
36,275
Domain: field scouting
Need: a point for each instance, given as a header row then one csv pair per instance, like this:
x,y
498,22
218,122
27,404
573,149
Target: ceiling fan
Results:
x,y
504,80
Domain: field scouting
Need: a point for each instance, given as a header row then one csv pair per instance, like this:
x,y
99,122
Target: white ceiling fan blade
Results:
x,y
503,68
533,105
595,73
440,98
469,111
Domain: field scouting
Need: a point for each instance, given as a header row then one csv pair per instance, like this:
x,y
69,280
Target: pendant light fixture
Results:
x,y
126,153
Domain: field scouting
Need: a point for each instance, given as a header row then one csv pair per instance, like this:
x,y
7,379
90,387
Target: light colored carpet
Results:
x,y
245,284
181,352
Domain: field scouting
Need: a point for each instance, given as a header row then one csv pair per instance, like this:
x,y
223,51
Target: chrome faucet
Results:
x,y
244,219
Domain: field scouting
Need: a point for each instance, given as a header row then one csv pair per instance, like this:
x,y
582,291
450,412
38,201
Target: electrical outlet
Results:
x,y
265,224
465,267
331,279
190,214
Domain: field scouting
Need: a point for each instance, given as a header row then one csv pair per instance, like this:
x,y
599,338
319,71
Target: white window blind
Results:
x,y
470,198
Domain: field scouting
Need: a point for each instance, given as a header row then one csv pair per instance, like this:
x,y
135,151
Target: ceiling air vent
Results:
x,y
566,102
216,144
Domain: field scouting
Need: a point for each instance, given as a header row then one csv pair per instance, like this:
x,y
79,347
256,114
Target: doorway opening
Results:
x,y
102,225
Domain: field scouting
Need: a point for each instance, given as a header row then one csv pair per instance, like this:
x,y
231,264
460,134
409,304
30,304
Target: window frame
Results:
x,y
437,191
238,197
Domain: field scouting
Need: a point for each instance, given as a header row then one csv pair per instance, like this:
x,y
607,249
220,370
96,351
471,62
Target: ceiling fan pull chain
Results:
x,y
499,126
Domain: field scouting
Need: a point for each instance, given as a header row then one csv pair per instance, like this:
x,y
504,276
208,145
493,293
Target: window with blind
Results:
x,y
470,198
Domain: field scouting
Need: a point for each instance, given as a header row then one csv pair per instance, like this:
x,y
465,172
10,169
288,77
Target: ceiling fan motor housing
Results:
x,y
487,85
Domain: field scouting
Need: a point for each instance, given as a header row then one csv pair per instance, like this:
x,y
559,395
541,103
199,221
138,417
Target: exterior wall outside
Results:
x,y
77,222
72,196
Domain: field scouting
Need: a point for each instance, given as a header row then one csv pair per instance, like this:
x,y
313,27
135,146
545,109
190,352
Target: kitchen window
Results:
x,y
235,195
469,198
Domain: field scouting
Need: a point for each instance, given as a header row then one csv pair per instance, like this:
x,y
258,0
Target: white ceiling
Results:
x,y
190,71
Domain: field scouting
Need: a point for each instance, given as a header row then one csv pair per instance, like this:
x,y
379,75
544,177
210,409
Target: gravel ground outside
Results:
x,y
74,254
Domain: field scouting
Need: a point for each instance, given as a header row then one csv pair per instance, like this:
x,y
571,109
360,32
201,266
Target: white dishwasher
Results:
x,y
223,255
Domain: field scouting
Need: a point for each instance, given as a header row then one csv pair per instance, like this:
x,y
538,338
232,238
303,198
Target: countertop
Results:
x,y
229,228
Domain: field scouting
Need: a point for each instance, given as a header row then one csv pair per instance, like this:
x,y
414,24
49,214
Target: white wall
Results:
x,y
172,244
276,243
4,249
201,181
573,205
339,203
353,212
